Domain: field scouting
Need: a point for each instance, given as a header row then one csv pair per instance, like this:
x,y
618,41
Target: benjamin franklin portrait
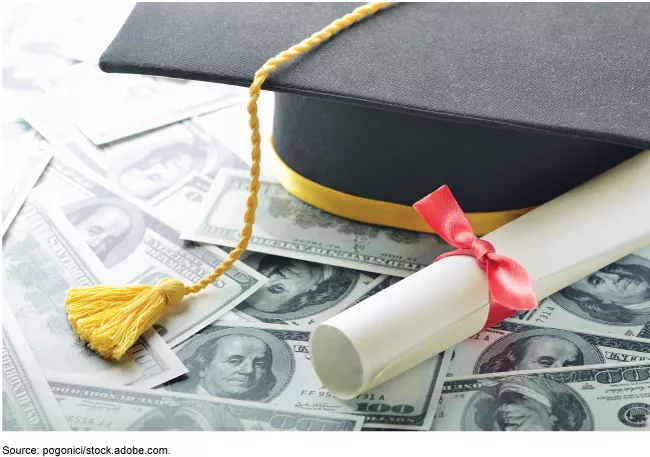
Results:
x,y
239,363
526,404
146,171
296,288
616,294
537,350
111,227
200,416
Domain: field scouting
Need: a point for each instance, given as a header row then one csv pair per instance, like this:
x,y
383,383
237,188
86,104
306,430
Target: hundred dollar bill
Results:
x,y
615,299
153,168
25,154
302,293
386,282
272,364
134,247
288,227
244,311
107,107
590,398
100,408
39,265
27,400
184,197
511,346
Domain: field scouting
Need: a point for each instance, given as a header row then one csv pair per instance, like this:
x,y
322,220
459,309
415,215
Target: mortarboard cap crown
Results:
x,y
509,104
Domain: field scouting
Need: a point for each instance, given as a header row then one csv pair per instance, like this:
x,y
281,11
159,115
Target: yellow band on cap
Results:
x,y
374,211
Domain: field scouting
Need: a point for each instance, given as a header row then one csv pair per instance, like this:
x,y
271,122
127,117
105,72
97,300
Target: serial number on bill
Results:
x,y
326,394
319,244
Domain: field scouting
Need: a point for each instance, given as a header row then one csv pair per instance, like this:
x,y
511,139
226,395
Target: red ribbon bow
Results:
x,y
510,287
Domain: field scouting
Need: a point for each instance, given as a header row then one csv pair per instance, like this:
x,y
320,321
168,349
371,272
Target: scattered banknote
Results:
x,y
302,293
26,124
511,346
288,227
134,247
150,167
39,265
386,282
27,400
272,364
106,107
25,67
19,132
615,299
108,409
230,125
24,157
184,197
596,398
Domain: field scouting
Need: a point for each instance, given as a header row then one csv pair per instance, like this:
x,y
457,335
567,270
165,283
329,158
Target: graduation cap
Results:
x,y
510,105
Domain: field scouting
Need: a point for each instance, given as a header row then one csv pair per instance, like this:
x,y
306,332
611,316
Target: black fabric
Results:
x,y
406,157
575,69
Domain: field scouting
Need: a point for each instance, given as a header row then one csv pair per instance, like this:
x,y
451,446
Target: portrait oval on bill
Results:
x,y
111,227
296,289
526,404
618,294
241,363
149,169
537,350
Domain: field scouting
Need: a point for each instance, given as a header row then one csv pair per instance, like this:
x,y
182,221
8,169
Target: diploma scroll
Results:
x,y
445,303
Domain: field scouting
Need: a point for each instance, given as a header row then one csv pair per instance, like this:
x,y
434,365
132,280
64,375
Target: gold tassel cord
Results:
x,y
111,319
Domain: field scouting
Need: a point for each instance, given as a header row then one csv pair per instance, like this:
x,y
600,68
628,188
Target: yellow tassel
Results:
x,y
111,319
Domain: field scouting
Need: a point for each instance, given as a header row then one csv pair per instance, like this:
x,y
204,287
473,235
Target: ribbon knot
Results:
x,y
172,290
481,249
509,284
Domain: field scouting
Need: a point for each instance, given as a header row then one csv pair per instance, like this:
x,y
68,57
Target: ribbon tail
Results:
x,y
441,212
511,289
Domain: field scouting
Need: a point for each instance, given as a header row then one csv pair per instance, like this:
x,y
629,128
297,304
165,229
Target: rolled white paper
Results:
x,y
445,303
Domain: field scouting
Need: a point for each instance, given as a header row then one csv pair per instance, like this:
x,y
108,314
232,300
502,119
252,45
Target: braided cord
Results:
x,y
253,122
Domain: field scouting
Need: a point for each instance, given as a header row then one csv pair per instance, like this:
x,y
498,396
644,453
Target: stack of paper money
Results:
x,y
130,179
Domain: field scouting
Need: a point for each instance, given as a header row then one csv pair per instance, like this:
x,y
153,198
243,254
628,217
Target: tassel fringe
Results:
x,y
111,319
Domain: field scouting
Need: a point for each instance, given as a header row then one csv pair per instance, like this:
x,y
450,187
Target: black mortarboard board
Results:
x,y
510,104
